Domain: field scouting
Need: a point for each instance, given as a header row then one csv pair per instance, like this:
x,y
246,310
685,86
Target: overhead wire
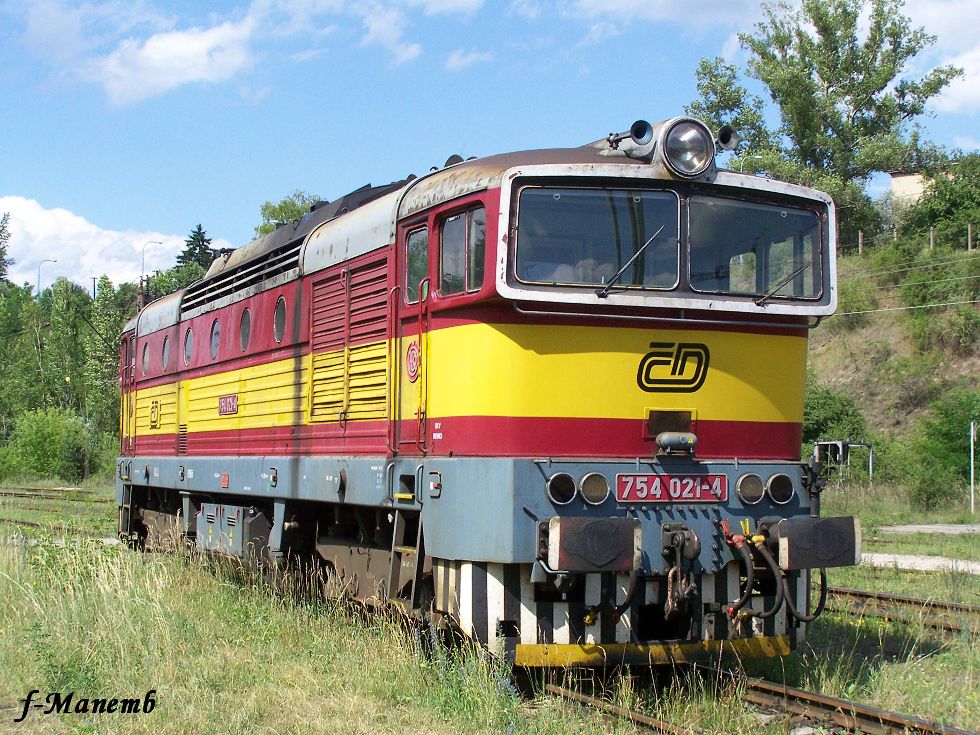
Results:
x,y
919,267
925,283
906,308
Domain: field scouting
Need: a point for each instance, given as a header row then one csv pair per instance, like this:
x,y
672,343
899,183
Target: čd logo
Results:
x,y
673,367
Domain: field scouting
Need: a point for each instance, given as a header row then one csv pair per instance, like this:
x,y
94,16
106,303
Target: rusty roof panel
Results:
x,y
485,173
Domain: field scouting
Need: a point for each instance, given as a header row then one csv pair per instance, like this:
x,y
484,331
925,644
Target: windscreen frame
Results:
x,y
622,284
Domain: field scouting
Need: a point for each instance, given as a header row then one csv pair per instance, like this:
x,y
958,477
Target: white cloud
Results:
x,y
460,59
954,22
136,71
597,33
59,32
963,94
385,27
967,143
525,8
81,249
731,50
682,12
435,7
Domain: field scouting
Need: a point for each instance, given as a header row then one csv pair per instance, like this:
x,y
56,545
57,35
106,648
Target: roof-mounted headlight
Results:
x,y
688,147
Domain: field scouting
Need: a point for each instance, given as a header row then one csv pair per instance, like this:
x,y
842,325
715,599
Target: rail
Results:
x,y
812,707
821,708
948,617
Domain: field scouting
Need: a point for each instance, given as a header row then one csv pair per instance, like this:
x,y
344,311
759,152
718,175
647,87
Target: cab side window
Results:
x,y
462,244
416,264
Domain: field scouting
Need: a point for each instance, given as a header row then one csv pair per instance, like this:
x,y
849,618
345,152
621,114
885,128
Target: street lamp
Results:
x,y
741,162
46,260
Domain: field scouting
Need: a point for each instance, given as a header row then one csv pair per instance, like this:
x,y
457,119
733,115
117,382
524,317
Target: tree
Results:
x,y
64,351
829,415
173,279
5,262
102,357
197,249
951,201
285,210
845,106
725,101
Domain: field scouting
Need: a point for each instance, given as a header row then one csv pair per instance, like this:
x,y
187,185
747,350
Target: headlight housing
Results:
x,y
750,488
560,488
688,147
780,488
594,488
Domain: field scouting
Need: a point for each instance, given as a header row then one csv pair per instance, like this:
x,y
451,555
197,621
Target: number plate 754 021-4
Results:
x,y
637,488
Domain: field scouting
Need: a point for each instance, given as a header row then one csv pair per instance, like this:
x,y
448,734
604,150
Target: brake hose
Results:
x,y
777,575
820,603
749,580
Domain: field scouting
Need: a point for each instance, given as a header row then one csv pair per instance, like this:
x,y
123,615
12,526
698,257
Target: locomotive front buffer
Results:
x,y
671,563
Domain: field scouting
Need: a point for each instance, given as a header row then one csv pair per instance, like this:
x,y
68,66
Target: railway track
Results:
x,y
948,617
798,705
31,524
29,495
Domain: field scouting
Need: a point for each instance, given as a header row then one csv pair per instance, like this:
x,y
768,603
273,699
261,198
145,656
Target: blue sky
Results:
x,y
128,121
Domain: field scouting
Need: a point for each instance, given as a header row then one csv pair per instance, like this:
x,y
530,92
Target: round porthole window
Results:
x,y
166,353
146,357
188,346
245,329
280,319
215,338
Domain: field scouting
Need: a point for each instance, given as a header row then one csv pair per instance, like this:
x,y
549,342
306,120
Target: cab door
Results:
x,y
410,341
127,396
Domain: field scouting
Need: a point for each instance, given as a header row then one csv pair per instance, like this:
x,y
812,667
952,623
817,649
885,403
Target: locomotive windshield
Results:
x,y
589,237
751,249
583,237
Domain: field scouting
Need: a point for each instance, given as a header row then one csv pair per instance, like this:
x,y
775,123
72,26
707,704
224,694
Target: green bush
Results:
x,y
890,261
50,443
828,416
932,484
944,434
914,379
959,330
855,294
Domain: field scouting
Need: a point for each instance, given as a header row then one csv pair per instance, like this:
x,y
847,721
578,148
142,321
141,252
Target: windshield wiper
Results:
x,y
604,291
772,292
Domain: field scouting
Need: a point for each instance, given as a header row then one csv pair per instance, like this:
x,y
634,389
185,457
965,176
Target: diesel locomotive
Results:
x,y
550,399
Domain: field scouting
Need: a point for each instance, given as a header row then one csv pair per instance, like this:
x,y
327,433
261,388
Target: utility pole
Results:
x,y
860,242
973,442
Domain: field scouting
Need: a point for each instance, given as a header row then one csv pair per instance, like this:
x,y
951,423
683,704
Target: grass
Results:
x,y
228,655
887,504
893,666
944,586
964,546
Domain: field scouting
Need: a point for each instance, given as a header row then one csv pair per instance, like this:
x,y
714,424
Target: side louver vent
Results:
x,y
249,275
